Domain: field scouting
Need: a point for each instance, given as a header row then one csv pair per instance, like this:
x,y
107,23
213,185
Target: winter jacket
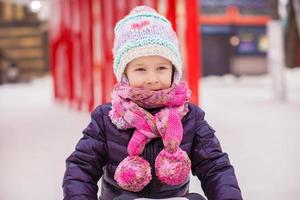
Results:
x,y
103,147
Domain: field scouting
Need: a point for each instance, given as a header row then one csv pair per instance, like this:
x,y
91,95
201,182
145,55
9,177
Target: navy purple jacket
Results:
x,y
103,147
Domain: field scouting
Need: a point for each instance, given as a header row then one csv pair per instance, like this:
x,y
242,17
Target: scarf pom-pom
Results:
x,y
133,173
172,168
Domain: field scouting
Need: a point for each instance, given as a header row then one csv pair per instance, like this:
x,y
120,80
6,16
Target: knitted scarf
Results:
x,y
129,110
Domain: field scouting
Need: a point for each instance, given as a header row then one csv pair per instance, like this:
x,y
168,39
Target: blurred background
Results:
x,y
242,62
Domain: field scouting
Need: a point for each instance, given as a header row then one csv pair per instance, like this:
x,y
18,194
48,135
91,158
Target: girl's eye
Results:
x,y
160,68
139,69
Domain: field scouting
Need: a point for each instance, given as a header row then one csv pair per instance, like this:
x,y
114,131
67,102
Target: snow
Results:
x,y
260,134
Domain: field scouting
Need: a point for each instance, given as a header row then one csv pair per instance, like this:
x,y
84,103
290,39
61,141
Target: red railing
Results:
x,y
81,41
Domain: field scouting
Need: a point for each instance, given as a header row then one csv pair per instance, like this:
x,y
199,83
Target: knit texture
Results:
x,y
145,33
128,111
133,173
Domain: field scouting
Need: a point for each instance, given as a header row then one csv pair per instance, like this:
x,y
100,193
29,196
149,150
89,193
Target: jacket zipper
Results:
x,y
149,156
146,189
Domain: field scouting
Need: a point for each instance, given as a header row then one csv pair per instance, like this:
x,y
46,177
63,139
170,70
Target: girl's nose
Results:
x,y
152,79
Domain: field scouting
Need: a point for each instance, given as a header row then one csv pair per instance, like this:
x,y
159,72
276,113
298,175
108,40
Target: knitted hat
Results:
x,y
145,33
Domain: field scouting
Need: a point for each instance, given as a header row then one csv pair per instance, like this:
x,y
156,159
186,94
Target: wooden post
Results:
x,y
20,12
7,11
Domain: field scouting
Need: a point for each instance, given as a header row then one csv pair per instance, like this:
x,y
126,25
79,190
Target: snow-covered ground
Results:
x,y
262,136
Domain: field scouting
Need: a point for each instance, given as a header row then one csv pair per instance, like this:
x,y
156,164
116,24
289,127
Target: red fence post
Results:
x,y
87,53
76,54
61,56
54,33
171,13
97,51
69,49
103,47
193,48
107,40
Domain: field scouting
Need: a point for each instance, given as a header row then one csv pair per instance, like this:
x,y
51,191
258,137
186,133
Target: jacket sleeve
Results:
x,y
84,165
211,165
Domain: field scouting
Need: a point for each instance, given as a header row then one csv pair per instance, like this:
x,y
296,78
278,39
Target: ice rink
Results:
x,y
261,136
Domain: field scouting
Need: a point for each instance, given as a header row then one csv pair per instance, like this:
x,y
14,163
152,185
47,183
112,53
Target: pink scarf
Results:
x,y
172,165
128,112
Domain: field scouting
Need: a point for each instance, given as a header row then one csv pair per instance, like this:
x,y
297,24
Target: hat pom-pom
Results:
x,y
172,168
133,173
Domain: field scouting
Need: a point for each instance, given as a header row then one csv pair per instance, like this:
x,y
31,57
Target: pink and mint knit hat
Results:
x,y
145,33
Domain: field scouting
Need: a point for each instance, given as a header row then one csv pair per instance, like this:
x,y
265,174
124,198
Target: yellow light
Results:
x,y
234,40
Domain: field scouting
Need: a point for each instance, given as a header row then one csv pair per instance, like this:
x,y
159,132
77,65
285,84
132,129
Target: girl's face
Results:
x,y
150,72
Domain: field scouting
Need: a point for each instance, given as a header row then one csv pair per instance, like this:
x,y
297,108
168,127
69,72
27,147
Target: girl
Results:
x,y
146,143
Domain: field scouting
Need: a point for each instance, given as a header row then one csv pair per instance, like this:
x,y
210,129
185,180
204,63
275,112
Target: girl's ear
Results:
x,y
173,73
125,73
124,79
